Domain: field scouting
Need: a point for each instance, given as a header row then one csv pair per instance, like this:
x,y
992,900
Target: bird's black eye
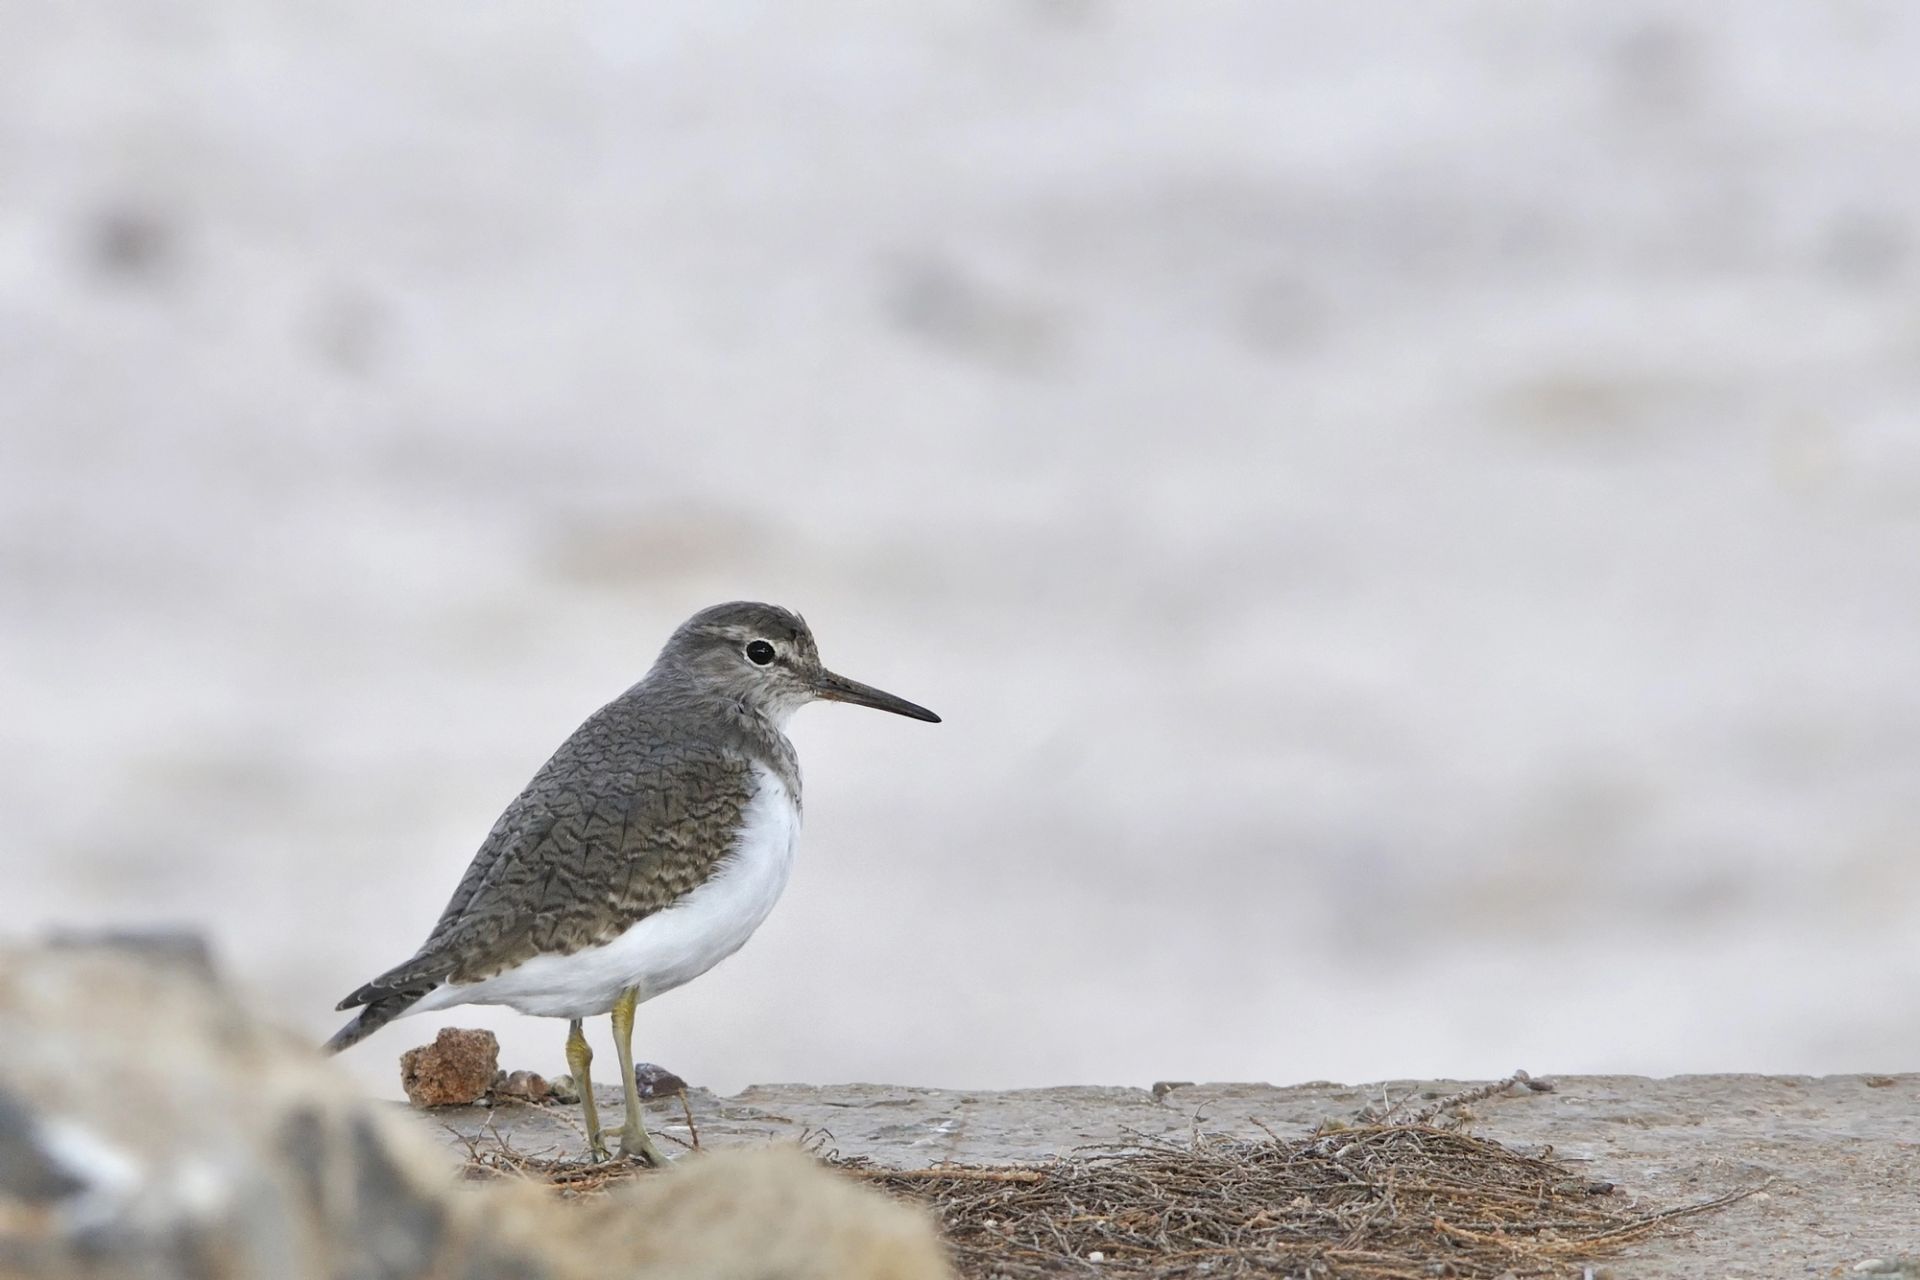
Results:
x,y
760,653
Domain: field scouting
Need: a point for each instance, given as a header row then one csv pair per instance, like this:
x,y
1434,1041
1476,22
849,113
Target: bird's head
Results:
x,y
764,656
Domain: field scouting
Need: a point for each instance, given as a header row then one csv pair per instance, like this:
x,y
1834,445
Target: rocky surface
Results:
x,y
150,1127
1837,1157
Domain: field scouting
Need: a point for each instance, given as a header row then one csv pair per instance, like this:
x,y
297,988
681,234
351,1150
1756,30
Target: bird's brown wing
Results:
x,y
606,834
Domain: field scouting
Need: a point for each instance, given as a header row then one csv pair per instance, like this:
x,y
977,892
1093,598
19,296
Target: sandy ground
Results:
x,y
1390,502
1837,1157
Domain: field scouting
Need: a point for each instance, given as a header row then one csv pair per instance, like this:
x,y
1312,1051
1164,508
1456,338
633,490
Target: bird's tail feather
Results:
x,y
375,1014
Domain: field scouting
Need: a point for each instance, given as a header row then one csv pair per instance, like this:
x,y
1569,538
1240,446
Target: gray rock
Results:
x,y
150,1129
30,1170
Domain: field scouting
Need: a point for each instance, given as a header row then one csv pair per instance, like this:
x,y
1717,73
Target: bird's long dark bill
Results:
x,y
840,689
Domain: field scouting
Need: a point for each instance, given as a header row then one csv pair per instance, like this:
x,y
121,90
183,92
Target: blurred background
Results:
x,y
1411,516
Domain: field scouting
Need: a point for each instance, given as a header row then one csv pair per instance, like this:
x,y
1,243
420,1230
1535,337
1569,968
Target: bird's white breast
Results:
x,y
669,947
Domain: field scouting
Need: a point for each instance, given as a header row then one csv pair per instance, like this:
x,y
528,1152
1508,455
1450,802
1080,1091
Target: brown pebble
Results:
x,y
456,1069
526,1086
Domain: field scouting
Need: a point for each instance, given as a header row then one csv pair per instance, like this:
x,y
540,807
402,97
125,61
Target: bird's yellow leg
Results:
x,y
579,1061
634,1141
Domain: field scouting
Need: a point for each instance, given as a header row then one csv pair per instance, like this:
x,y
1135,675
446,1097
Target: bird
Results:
x,y
646,850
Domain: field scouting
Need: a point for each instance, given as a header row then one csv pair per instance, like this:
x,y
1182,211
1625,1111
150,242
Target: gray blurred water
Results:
x,y
1411,516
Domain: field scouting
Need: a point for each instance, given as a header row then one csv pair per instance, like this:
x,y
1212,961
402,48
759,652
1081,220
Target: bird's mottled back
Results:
x,y
630,814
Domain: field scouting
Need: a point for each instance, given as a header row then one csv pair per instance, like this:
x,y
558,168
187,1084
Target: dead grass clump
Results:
x,y
1369,1203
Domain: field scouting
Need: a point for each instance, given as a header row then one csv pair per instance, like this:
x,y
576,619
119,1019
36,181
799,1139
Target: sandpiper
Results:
x,y
646,851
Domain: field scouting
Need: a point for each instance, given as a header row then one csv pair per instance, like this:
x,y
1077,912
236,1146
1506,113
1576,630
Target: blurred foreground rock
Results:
x,y
150,1128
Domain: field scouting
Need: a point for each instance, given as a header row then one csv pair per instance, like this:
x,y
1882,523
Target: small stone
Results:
x,y
656,1081
456,1069
1161,1088
523,1086
563,1089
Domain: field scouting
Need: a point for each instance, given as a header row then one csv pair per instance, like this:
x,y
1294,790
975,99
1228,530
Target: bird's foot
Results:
x,y
597,1149
635,1144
